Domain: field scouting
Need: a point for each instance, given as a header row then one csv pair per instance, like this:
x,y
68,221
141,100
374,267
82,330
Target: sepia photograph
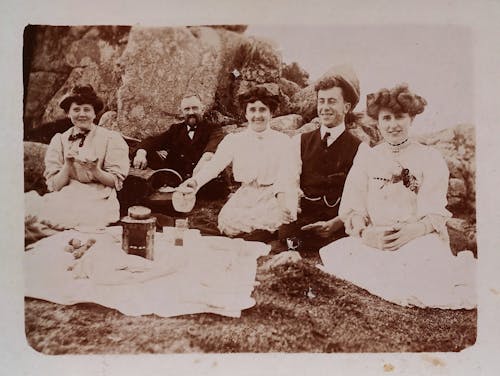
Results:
x,y
132,132
250,189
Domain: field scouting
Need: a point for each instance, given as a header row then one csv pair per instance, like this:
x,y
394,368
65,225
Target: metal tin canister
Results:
x,y
138,232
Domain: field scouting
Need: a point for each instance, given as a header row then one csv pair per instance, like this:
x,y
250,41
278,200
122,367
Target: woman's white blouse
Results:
x,y
369,191
107,145
255,157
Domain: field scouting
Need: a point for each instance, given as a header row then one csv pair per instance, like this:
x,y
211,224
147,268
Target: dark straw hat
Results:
x,y
82,94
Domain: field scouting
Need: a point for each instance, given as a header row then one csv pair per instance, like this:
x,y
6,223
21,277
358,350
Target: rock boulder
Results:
x,y
287,124
161,65
86,55
457,145
34,155
289,88
304,103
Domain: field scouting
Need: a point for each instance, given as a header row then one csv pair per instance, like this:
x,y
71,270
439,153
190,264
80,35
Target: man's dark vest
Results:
x,y
324,170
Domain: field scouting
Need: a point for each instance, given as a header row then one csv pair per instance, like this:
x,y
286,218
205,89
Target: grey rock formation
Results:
x,y
34,155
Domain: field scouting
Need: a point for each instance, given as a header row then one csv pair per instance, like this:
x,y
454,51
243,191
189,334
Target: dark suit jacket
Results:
x,y
183,153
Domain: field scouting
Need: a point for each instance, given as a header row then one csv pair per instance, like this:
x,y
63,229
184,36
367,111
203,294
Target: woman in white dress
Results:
x,y
394,210
257,155
84,167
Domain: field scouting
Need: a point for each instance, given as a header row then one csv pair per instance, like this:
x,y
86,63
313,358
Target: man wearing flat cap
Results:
x,y
323,158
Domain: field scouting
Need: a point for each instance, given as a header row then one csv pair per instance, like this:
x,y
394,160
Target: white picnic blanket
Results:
x,y
208,274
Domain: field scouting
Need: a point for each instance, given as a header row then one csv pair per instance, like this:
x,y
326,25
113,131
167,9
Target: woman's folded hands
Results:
x,y
391,239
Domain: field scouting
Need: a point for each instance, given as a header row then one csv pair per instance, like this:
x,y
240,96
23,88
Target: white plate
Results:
x,y
166,189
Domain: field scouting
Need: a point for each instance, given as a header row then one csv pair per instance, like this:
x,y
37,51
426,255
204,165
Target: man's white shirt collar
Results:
x,y
335,132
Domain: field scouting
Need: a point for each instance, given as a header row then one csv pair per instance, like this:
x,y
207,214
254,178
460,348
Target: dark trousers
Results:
x,y
136,191
308,241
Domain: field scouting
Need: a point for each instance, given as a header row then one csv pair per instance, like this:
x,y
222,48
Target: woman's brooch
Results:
x,y
409,180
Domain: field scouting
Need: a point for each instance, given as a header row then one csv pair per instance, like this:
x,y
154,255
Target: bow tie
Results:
x,y
78,136
191,128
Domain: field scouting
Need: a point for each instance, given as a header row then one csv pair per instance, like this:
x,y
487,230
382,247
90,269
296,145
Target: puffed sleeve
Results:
x,y
355,193
431,198
288,179
221,159
54,160
116,159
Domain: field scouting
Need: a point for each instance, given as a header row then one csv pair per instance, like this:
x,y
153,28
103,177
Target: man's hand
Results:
x,y
162,154
140,160
324,229
287,214
204,159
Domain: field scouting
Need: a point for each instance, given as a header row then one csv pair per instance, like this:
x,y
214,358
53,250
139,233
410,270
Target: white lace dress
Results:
x,y
83,201
423,272
256,160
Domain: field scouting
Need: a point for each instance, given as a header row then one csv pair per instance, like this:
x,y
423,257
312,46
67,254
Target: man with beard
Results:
x,y
323,158
184,147
183,144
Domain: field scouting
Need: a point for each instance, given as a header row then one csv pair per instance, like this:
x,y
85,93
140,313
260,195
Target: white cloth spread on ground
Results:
x,y
256,159
83,201
423,272
207,274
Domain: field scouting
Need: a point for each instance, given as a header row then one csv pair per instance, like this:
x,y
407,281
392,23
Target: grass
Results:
x,y
339,318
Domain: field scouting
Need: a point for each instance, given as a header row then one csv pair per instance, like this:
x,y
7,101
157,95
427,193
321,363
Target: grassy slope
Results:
x,y
340,318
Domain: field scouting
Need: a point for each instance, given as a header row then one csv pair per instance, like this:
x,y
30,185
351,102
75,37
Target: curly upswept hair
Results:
x,y
331,82
399,100
259,93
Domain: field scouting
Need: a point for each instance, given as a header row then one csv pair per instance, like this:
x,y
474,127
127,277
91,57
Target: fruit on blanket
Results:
x,y
75,243
75,246
79,252
90,242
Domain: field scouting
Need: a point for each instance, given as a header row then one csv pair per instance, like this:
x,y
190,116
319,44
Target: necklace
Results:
x,y
396,148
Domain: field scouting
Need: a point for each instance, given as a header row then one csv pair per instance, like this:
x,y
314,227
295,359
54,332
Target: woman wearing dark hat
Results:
x,y
256,154
394,209
84,167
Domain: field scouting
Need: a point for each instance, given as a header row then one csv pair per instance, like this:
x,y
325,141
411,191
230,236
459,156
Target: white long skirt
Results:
x,y
422,273
76,204
250,208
